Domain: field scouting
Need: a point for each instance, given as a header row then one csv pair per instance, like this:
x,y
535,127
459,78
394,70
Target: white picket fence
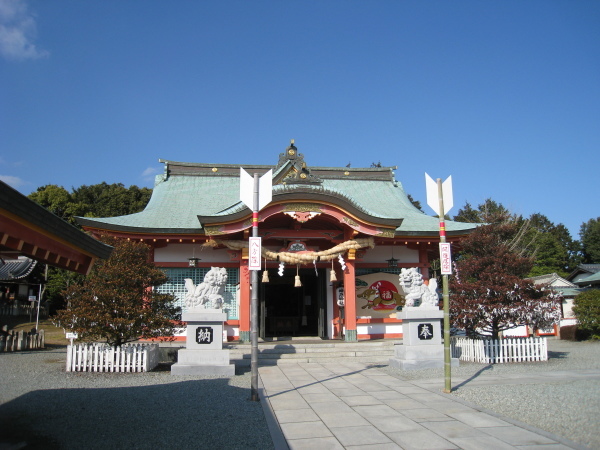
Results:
x,y
492,351
97,357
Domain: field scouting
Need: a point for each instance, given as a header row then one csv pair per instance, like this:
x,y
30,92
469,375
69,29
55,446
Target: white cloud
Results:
x,y
150,173
17,32
15,182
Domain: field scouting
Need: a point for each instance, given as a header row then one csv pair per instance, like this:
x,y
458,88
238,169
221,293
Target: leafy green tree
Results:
x,y
468,214
58,201
116,303
586,308
108,200
99,200
590,241
487,212
415,203
489,293
551,245
58,281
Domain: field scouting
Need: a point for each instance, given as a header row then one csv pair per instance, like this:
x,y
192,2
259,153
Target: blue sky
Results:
x,y
502,95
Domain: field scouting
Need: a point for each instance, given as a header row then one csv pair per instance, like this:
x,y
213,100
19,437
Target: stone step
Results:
x,y
274,361
324,351
316,345
298,355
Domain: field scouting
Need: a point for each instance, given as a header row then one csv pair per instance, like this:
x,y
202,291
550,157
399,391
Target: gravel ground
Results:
x,y
48,408
44,406
570,409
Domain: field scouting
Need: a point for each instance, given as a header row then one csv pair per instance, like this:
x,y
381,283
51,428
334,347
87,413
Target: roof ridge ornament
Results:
x,y
297,172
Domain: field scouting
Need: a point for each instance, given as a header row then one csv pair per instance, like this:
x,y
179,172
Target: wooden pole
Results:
x,y
446,299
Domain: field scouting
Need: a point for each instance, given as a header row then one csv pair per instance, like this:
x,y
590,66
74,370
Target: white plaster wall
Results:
x,y
568,308
520,331
381,253
378,328
183,252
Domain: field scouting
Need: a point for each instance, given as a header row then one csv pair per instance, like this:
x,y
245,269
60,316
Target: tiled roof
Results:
x,y
15,269
592,268
592,279
552,279
189,190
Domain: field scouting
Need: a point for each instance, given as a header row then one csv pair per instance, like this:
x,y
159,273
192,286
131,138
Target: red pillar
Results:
x,y
350,301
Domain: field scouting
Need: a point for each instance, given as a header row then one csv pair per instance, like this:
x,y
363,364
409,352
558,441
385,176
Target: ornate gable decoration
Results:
x,y
296,171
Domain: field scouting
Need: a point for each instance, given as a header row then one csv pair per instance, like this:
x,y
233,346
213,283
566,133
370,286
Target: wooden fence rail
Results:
x,y
14,341
98,357
17,309
494,351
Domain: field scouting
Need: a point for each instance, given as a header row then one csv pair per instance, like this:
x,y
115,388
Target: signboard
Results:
x,y
204,335
32,298
425,331
445,259
71,335
254,253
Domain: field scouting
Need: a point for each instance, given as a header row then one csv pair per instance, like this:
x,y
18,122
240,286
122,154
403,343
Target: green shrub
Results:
x,y
586,308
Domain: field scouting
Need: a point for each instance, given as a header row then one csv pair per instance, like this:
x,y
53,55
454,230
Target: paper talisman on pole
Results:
x,y
254,253
445,259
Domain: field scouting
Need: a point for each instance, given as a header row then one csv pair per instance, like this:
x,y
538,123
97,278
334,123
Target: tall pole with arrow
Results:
x,y
439,198
255,193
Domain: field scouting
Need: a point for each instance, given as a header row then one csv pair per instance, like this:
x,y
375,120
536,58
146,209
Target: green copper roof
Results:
x,y
189,190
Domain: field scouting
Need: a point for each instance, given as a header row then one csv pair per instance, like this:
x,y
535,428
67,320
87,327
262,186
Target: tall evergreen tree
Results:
x,y
487,212
590,241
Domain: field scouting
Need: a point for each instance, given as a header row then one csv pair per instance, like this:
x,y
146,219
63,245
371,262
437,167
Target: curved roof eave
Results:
x,y
239,211
99,225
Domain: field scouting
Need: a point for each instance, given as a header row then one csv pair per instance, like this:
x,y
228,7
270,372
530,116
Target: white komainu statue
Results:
x,y
416,292
209,293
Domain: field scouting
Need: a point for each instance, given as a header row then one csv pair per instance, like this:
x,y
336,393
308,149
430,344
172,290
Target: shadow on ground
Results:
x,y
205,413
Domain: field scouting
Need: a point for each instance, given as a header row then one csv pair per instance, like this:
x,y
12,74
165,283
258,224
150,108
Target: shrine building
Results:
x,y
329,233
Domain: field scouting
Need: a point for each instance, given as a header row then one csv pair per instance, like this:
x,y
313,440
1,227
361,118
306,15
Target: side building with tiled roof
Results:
x,y
346,232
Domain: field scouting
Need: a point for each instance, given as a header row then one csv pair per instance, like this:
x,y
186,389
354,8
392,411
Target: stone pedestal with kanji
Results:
x,y
204,353
422,346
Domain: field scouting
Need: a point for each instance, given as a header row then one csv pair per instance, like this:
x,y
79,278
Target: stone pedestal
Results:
x,y
204,353
422,346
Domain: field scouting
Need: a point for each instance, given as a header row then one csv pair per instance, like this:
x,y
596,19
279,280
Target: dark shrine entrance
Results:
x,y
286,310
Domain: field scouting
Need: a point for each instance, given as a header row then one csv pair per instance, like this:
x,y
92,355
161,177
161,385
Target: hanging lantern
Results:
x,y
297,282
392,262
193,261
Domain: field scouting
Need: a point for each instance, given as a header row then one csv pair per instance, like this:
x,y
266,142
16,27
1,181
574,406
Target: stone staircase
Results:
x,y
315,350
